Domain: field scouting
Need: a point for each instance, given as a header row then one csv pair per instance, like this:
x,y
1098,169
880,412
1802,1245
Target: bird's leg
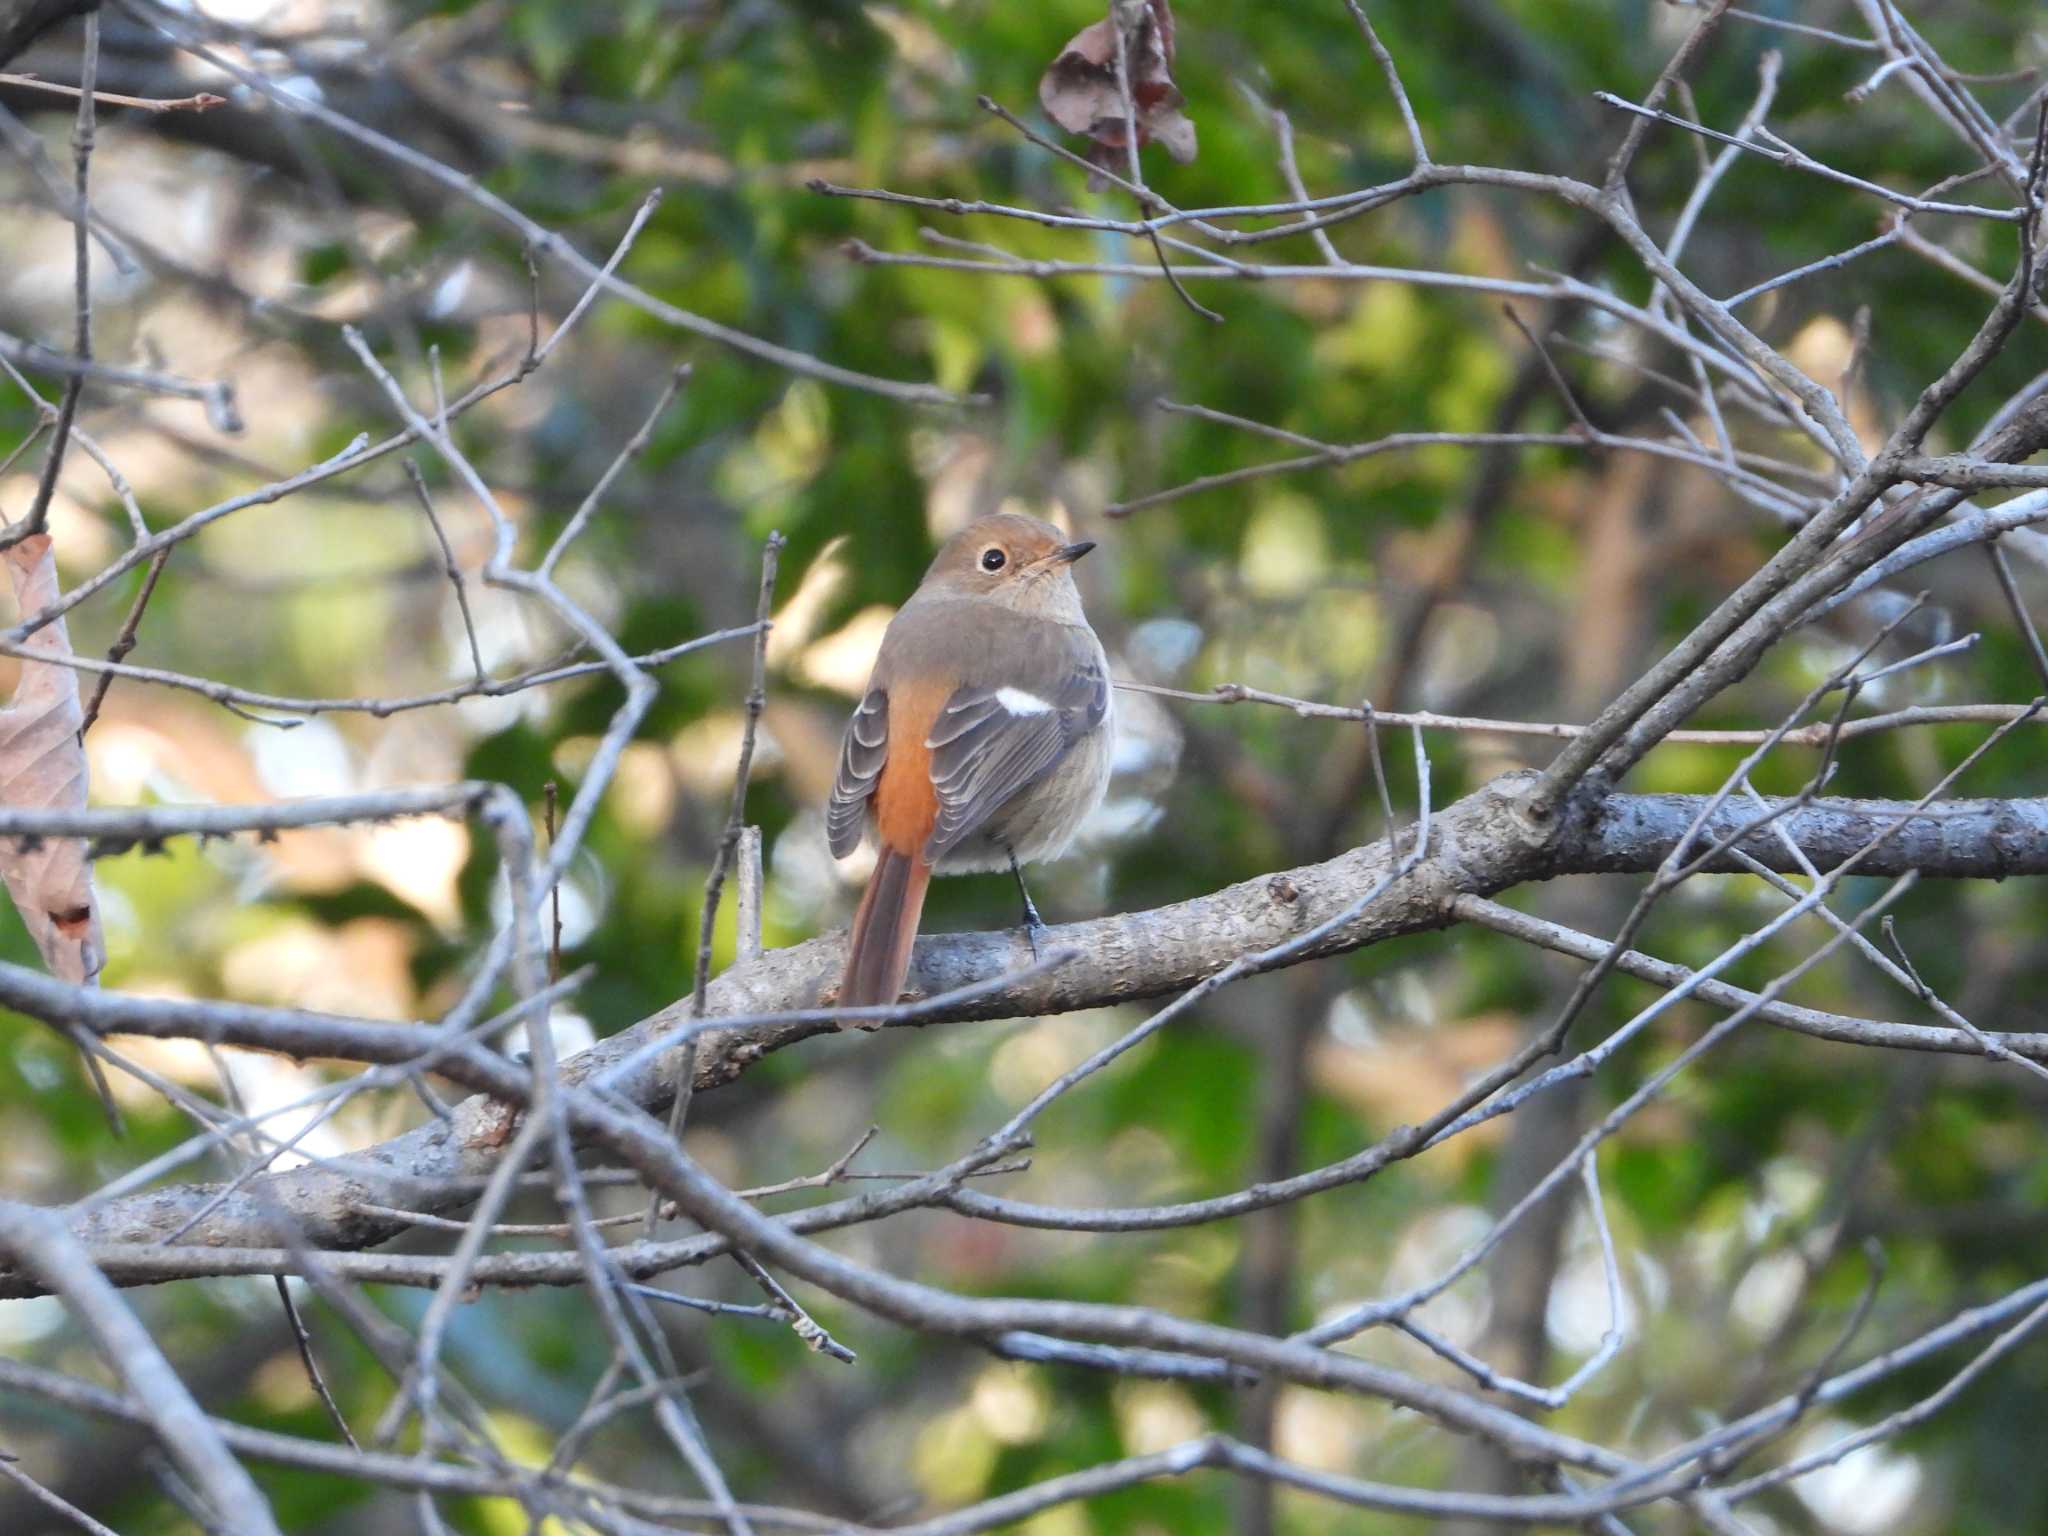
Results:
x,y
1033,923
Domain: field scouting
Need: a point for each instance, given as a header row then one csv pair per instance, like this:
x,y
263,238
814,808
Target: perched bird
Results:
x,y
983,739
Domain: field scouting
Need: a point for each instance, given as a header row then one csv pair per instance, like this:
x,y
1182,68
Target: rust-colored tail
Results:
x,y
884,927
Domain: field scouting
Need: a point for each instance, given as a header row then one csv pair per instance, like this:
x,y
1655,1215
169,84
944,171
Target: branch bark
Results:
x,y
1482,847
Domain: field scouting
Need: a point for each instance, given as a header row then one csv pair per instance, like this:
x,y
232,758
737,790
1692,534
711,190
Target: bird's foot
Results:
x,y
1034,925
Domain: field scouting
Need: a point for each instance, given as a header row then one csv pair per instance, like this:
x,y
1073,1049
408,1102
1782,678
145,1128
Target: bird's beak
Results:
x,y
1069,553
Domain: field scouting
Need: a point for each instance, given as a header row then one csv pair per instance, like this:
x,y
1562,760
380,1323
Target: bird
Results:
x,y
983,738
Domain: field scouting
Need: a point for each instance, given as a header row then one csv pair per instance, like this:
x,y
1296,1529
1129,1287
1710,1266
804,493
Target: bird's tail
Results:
x,y
884,927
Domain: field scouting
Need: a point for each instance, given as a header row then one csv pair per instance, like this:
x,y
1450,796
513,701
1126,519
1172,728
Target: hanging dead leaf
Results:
x,y
42,767
1080,91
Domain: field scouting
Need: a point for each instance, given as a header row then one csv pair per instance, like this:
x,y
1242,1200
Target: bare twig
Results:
x,y
304,1340
1385,60
124,642
37,517
203,101
728,844
449,563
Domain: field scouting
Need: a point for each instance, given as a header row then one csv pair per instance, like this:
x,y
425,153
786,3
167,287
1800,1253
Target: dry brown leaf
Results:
x,y
42,767
1080,91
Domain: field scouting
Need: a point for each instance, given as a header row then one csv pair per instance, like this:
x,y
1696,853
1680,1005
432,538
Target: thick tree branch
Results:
x,y
1481,847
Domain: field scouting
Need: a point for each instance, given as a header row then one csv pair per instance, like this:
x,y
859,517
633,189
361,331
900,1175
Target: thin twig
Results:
x,y
1816,735
548,792
217,397
2002,569
1385,60
51,1500
304,1340
1571,401
204,101
801,1322
545,241
634,446
1123,85
125,641
1793,158
728,845
449,563
1615,177
38,514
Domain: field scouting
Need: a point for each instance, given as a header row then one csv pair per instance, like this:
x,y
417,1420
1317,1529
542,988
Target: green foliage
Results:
x,y
1301,584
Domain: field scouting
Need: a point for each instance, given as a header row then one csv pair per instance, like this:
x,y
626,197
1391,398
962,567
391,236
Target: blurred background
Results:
x,y
1525,583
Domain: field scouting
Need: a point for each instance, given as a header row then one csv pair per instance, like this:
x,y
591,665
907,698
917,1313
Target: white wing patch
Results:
x,y
988,744
1019,702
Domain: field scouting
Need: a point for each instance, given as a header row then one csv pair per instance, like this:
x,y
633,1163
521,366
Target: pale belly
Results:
x,y
1040,820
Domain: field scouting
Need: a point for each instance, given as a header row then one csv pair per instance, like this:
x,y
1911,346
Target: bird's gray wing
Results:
x,y
990,742
861,756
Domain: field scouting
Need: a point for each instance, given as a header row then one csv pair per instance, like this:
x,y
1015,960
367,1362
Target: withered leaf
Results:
x,y
42,767
1079,91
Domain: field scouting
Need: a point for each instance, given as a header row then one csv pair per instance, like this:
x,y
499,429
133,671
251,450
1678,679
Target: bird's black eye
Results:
x,y
992,559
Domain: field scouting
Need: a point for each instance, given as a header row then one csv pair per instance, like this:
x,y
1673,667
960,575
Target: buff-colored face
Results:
x,y
1019,561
